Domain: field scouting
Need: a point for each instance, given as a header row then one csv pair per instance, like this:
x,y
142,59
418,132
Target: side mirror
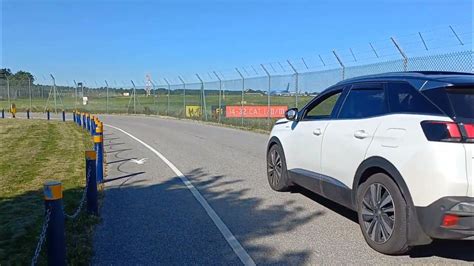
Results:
x,y
291,114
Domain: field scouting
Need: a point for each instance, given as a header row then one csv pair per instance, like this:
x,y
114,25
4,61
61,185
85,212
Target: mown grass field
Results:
x,y
33,151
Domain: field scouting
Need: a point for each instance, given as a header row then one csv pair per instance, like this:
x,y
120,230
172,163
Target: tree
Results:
x,y
23,75
5,72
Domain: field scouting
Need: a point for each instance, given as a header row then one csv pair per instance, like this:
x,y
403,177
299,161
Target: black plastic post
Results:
x,y
28,113
74,116
92,206
55,234
64,116
47,114
3,113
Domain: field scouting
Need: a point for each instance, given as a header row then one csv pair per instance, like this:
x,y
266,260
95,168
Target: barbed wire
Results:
x,y
42,237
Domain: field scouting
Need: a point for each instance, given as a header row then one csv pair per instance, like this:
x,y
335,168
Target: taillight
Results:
x,y
441,131
469,129
448,131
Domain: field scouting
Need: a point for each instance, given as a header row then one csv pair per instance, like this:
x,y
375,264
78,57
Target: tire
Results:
x,y
276,169
382,215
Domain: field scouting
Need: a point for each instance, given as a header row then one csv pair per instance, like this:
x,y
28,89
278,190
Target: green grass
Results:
x,y
33,151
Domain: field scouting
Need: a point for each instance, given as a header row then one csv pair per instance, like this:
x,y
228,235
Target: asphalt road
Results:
x,y
149,216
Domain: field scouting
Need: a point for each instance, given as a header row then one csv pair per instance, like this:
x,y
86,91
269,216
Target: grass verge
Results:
x,y
31,152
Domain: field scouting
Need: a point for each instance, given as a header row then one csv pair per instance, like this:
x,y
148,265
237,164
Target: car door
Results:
x,y
303,147
348,137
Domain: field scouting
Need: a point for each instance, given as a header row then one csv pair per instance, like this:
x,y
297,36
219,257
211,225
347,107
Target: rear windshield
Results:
x,y
462,102
457,102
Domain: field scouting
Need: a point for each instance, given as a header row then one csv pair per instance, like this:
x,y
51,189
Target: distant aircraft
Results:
x,y
285,92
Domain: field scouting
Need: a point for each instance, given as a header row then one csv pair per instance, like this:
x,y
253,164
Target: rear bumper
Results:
x,y
431,219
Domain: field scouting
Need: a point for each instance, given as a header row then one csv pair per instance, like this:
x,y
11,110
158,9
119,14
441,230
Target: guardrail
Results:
x,y
53,228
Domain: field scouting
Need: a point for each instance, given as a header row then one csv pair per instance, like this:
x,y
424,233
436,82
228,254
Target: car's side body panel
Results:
x,y
344,150
431,170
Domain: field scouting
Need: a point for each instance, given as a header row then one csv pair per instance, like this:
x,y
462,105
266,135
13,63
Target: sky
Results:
x,y
122,40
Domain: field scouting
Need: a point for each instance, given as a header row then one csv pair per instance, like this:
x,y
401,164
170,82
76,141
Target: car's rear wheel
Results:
x,y
276,169
382,215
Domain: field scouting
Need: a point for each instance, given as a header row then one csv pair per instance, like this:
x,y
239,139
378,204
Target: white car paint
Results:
x,y
431,170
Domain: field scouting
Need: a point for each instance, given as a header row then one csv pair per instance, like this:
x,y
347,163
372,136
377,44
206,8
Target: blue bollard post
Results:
x,y
88,122
47,114
100,156
64,116
92,130
84,120
78,118
3,113
91,179
55,235
74,116
27,113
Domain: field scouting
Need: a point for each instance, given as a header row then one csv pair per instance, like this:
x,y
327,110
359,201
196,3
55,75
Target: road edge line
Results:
x,y
226,233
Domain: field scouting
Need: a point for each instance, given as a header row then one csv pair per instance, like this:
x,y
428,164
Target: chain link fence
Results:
x,y
248,99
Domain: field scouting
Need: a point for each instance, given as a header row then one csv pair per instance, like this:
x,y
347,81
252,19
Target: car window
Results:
x,y
323,109
361,103
403,98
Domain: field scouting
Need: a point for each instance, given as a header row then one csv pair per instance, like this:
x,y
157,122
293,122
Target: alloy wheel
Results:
x,y
274,167
378,213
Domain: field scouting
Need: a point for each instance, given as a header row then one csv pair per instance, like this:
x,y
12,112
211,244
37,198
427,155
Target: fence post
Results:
x,y
203,96
405,57
3,113
47,114
84,121
242,98
220,97
91,179
340,63
168,100
28,113
64,116
98,139
55,234
184,96
268,94
296,81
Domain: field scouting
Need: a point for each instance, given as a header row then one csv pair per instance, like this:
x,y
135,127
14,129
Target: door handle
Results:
x,y
317,132
361,134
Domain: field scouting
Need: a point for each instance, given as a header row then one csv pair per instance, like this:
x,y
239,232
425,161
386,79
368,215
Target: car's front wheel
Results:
x,y
276,169
382,215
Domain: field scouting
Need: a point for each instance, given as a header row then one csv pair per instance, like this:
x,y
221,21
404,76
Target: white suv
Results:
x,y
398,148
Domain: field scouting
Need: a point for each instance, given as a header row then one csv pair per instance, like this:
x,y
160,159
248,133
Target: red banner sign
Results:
x,y
255,111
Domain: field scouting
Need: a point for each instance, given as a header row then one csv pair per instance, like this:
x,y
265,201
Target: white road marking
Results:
x,y
226,233
141,161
